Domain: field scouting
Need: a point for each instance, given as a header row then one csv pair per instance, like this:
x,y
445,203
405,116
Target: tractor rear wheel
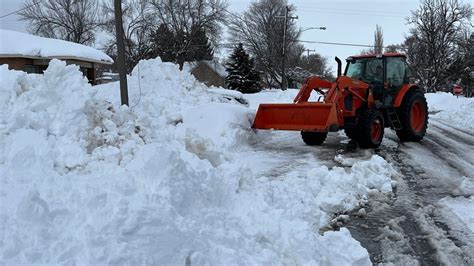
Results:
x,y
413,114
313,138
370,129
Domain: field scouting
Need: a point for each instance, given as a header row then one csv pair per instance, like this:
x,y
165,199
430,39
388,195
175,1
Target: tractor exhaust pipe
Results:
x,y
339,66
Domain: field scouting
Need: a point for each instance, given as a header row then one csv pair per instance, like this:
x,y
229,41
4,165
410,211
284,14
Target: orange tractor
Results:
x,y
374,93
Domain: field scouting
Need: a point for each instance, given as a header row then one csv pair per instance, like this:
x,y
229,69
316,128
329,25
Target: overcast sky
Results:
x,y
346,21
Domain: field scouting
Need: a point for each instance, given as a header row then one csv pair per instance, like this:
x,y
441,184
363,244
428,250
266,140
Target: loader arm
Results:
x,y
300,115
312,116
308,86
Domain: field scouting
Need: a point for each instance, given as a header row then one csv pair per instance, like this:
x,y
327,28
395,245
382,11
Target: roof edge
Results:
x,y
379,55
61,57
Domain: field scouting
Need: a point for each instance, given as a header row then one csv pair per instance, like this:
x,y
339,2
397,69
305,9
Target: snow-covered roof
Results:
x,y
18,44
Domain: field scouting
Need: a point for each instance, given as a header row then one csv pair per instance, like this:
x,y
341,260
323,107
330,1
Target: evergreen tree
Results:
x,y
180,47
200,47
242,75
163,44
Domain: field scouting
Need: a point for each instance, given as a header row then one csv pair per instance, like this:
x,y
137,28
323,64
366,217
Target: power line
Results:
x,y
19,10
353,10
301,41
357,14
337,43
229,45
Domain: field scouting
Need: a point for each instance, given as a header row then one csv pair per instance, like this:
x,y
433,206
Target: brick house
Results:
x,y
29,53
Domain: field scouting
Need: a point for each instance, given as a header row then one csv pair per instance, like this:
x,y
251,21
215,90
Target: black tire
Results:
x,y
351,133
313,138
370,129
413,115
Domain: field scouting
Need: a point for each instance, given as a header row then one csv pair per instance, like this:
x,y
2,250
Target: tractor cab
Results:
x,y
385,73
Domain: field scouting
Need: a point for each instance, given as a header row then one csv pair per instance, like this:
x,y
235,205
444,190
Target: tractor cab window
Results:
x,y
396,71
369,70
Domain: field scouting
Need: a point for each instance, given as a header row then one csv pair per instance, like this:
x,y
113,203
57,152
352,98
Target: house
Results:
x,y
21,51
210,73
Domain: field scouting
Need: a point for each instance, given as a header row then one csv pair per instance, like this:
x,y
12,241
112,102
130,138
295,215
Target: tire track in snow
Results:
x,y
464,136
288,150
409,227
446,124
389,231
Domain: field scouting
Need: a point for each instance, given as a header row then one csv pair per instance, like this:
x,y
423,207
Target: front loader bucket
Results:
x,y
301,116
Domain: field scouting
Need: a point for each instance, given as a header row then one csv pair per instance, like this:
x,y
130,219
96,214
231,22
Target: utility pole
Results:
x,y
120,52
283,66
309,50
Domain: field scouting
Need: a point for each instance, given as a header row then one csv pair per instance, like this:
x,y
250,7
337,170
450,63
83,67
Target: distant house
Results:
x,y
21,51
210,73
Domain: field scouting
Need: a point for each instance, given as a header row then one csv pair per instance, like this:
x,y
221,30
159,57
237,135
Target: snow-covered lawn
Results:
x,y
179,177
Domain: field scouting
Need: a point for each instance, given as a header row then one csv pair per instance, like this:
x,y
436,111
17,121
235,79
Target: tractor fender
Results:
x,y
401,93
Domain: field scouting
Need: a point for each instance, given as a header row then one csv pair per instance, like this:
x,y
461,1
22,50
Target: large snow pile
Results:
x,y
14,44
457,111
87,181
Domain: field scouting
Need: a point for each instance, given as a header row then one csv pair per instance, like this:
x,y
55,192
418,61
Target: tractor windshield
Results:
x,y
369,70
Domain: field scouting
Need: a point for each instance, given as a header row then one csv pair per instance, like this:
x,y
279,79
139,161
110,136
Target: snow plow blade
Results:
x,y
320,117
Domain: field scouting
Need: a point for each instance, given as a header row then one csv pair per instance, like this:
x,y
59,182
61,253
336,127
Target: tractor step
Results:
x,y
394,120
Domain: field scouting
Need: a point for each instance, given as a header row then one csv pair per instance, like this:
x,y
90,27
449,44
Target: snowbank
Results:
x,y
87,181
14,44
270,96
457,111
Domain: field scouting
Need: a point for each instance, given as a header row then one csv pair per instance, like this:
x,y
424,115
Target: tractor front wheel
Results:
x,y
313,138
351,132
413,114
370,129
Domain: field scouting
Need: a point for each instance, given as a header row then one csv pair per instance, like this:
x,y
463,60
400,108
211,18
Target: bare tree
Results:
x,y
433,39
260,29
462,71
392,48
316,64
139,23
416,58
312,65
70,20
378,40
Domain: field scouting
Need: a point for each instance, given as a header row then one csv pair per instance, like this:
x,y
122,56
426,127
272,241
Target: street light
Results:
x,y
314,28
